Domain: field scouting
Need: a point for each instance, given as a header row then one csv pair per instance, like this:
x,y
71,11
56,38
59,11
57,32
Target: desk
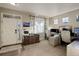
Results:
x,y
30,39
73,49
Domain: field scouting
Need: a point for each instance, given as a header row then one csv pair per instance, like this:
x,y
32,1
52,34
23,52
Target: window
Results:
x,y
56,21
77,18
39,25
65,20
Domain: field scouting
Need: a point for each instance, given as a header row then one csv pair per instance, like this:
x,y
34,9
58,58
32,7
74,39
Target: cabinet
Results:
x,y
31,39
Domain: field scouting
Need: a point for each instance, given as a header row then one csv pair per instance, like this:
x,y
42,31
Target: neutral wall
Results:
x,y
25,15
72,19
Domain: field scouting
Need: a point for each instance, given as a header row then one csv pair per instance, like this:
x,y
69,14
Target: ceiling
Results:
x,y
45,9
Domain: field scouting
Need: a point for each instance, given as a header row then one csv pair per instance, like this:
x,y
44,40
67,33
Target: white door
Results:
x,y
9,33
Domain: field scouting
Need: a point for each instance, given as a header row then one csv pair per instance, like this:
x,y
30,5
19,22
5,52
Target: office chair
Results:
x,y
66,36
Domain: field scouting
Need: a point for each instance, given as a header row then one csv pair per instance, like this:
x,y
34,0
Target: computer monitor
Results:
x,y
54,30
26,32
76,30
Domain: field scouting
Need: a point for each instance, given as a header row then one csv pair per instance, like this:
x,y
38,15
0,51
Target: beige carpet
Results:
x,y
39,49
43,49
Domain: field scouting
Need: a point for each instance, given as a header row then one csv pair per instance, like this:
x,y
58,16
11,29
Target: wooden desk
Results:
x,y
31,39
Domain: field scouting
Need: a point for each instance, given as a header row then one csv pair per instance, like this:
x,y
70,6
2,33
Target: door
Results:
x,y
9,33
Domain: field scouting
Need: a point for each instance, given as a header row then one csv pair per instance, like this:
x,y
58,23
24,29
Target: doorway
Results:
x,y
9,30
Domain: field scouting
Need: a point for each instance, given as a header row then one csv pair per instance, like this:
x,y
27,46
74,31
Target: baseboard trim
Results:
x,y
10,45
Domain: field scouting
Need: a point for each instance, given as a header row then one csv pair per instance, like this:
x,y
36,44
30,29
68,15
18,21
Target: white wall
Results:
x,y
72,19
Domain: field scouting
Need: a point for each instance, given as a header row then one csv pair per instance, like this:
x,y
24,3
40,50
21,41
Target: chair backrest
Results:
x,y
66,36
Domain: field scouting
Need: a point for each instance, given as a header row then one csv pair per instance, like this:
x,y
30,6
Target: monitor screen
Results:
x,y
54,30
26,32
76,30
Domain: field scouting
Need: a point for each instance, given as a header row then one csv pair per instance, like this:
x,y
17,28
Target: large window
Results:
x,y
55,21
65,20
39,25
